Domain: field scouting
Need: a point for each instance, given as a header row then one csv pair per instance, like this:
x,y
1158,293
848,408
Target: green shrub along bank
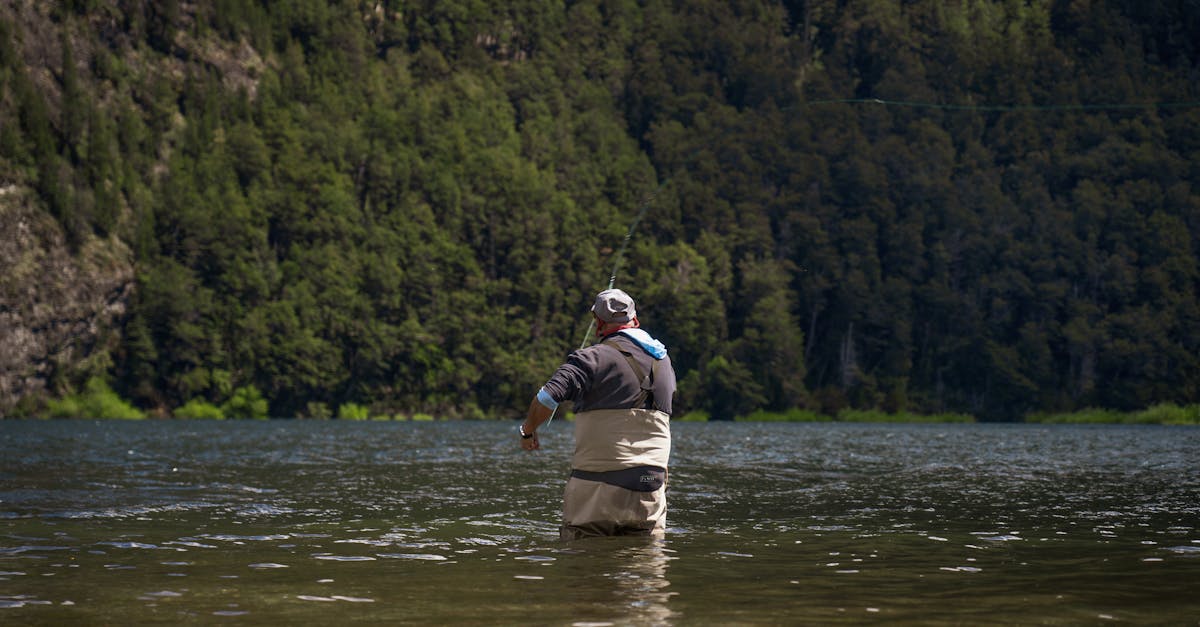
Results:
x,y
850,415
854,415
792,415
1161,414
97,400
353,411
197,409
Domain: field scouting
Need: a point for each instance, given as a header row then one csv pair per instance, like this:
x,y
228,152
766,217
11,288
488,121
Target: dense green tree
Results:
x,y
988,206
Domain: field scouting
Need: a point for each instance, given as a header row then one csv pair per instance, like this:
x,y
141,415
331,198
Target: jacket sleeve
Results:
x,y
572,379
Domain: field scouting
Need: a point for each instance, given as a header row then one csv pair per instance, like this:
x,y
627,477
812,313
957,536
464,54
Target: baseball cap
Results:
x,y
614,306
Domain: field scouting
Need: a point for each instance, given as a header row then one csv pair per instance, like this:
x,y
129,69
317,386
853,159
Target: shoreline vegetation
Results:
x,y
99,401
1161,414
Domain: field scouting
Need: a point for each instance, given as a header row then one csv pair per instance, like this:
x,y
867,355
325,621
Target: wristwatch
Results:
x,y
521,430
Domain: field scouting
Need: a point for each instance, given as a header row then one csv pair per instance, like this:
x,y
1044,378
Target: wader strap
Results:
x,y
645,399
637,479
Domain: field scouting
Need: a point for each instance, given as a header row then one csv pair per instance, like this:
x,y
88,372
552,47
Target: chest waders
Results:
x,y
638,478
619,474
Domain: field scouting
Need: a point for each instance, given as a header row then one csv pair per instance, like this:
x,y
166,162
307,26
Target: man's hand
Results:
x,y
538,414
531,443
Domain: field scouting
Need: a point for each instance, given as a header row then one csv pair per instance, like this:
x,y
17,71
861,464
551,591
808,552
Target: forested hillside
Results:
x,y
980,206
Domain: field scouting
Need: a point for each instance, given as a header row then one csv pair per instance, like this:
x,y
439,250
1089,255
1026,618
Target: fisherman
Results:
x,y
622,388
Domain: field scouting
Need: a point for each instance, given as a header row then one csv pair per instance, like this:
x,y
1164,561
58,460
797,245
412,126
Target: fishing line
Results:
x,y
968,107
612,278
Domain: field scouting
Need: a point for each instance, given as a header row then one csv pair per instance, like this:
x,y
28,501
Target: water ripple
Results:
x,y
847,513
428,557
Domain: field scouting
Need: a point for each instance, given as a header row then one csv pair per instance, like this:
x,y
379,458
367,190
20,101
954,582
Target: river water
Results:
x,y
290,522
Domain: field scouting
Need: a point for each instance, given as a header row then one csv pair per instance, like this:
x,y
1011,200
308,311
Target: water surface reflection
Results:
x,y
450,523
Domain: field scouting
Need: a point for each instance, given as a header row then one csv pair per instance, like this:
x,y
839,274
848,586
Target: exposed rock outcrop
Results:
x,y
58,309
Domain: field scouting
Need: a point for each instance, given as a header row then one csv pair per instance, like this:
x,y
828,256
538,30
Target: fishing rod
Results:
x,y
1112,106
612,278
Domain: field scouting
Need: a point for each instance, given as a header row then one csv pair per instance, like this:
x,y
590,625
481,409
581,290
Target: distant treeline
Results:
x,y
979,207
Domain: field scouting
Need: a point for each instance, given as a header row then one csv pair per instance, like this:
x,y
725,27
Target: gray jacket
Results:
x,y
600,377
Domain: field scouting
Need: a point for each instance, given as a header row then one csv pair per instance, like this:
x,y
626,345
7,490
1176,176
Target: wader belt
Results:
x,y
638,478
645,399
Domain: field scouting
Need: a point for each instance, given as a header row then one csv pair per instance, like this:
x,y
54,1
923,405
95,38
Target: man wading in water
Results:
x,y
622,388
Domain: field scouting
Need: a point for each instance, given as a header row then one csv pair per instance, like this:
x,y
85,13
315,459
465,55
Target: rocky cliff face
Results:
x,y
58,310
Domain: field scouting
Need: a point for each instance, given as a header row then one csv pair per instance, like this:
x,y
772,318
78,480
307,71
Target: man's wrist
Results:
x,y
525,435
